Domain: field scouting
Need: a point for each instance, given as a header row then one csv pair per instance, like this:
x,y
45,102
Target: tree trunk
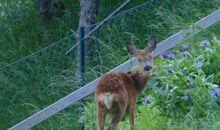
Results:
x,y
88,12
49,9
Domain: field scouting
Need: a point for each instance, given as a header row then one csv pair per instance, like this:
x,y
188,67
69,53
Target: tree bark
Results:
x,y
88,12
49,9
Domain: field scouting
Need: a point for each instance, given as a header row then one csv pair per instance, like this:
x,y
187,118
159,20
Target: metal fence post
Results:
x,y
82,62
82,54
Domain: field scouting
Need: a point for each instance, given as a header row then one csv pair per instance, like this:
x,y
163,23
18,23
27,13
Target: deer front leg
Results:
x,y
131,114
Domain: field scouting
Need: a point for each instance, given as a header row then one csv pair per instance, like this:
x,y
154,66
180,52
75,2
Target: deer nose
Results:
x,y
147,68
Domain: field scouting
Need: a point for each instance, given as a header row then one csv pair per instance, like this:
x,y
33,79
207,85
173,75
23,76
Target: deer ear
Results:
x,y
131,48
152,43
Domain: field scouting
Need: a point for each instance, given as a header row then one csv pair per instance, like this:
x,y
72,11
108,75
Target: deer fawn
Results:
x,y
116,92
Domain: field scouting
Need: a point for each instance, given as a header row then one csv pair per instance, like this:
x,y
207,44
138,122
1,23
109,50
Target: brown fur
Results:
x,y
116,92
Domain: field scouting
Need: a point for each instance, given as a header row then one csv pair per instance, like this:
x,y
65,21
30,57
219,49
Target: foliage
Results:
x,y
182,86
212,62
89,116
149,118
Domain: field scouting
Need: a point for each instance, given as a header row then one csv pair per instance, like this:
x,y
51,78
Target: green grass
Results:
x,y
34,83
28,35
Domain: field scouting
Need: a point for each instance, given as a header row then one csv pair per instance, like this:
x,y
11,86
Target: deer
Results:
x,y
116,92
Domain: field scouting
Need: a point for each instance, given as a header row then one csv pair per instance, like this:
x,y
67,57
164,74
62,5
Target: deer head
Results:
x,y
144,58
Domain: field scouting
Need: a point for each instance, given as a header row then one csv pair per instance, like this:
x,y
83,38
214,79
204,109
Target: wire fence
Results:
x,y
96,26
31,82
54,45
124,12
35,81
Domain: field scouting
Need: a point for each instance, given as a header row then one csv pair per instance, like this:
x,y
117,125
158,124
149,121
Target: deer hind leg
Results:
x,y
117,115
131,115
100,119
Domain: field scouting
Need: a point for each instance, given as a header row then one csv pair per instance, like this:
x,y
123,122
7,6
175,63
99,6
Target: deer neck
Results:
x,y
140,79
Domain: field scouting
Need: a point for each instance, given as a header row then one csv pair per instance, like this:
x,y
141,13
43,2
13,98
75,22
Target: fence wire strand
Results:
x,y
35,53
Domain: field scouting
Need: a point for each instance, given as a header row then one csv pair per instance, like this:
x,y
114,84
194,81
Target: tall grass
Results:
x,y
23,32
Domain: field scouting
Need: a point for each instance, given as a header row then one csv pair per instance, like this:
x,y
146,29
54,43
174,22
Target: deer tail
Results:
x,y
108,97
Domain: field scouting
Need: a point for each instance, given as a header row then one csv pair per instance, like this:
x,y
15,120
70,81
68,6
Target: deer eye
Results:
x,y
139,60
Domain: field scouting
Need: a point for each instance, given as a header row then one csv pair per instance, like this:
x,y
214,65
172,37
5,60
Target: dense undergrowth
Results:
x,y
44,77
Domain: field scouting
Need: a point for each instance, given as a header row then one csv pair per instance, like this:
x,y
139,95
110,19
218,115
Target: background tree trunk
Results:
x,y
48,9
88,12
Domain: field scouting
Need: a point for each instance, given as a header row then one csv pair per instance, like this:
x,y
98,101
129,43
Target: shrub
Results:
x,y
185,81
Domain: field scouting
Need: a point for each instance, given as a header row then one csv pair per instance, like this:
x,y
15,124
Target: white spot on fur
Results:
x,y
107,99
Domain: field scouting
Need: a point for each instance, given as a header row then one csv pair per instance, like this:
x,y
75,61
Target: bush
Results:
x,y
185,82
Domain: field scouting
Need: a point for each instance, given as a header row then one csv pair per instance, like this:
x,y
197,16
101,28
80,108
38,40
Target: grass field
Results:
x,y
44,77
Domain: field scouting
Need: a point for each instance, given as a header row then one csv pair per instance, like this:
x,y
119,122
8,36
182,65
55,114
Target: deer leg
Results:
x,y
116,117
131,115
100,119
131,119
